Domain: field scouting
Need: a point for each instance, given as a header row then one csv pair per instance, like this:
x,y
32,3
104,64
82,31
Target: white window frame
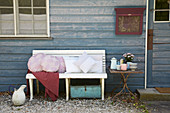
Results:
x,y
160,10
28,36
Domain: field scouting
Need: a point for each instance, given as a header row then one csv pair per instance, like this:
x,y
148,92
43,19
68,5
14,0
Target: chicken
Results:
x,y
18,97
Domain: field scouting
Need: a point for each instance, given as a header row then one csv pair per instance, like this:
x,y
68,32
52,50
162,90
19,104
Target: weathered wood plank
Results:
x,y
78,19
161,26
4,88
164,33
91,34
161,74
110,50
13,73
23,50
82,10
159,39
72,3
161,54
161,47
161,80
161,67
85,27
13,65
161,61
83,18
14,57
100,42
65,42
12,80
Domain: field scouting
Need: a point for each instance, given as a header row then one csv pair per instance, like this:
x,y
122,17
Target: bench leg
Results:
x,y
31,88
67,89
102,87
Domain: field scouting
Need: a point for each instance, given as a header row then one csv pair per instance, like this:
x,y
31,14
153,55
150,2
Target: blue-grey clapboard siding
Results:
x,y
75,24
159,62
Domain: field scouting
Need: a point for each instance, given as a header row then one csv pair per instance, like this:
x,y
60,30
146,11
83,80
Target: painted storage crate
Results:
x,y
85,91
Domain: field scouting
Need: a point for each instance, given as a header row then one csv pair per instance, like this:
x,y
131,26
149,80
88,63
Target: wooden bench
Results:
x,y
69,76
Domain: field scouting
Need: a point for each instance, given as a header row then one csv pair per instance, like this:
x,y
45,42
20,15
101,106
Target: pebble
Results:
x,y
40,105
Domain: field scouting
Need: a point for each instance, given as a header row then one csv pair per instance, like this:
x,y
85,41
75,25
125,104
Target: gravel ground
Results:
x,y
41,105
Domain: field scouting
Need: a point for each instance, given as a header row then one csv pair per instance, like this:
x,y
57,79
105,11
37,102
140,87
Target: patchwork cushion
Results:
x,y
34,62
62,67
50,64
87,64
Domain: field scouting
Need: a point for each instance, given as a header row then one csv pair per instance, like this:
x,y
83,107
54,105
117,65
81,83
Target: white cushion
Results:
x,y
87,64
81,59
97,68
70,66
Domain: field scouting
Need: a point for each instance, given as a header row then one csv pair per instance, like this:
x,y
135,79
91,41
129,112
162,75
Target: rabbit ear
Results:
x,y
15,89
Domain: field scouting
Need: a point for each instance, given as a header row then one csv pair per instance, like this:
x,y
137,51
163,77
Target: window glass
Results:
x,y
162,13
6,3
39,3
162,4
24,3
39,11
6,17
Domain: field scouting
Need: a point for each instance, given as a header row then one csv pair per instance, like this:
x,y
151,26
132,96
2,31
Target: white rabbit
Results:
x,y
18,97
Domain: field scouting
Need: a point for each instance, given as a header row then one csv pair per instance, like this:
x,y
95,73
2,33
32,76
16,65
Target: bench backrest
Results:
x,y
74,53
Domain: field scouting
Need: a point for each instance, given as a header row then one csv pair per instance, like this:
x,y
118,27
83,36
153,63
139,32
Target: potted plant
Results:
x,y
128,58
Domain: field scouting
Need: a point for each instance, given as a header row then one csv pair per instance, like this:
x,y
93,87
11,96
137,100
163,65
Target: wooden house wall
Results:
x,y
77,24
158,60
161,55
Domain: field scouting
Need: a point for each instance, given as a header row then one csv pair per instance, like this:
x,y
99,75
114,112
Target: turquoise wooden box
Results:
x,y
85,91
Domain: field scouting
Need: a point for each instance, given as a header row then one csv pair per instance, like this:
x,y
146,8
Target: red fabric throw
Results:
x,y
50,80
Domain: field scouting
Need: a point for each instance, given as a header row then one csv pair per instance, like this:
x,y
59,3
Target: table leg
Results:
x,y
125,83
119,92
124,80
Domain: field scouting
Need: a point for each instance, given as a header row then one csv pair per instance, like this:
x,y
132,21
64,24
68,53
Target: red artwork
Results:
x,y
129,21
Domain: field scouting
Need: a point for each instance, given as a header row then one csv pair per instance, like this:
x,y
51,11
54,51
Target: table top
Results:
x,y
128,71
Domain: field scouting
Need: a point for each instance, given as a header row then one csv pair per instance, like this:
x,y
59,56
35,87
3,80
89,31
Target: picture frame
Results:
x,y
129,21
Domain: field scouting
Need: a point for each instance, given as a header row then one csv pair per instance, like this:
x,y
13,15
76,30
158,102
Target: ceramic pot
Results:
x,y
124,67
128,65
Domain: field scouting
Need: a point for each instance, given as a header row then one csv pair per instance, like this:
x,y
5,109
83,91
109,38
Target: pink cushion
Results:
x,y
62,67
50,64
34,63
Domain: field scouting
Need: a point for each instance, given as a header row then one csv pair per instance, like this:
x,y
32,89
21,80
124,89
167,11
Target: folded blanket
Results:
x,y
50,80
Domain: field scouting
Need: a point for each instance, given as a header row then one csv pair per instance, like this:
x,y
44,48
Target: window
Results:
x,y
161,11
24,18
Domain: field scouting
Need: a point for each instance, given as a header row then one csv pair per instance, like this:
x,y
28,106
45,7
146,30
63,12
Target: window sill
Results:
x,y
26,38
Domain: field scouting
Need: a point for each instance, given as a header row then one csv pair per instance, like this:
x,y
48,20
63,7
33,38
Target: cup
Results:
x,y
124,67
118,67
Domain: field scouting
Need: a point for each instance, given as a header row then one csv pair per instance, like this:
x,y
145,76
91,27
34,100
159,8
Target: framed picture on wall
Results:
x,y
129,21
